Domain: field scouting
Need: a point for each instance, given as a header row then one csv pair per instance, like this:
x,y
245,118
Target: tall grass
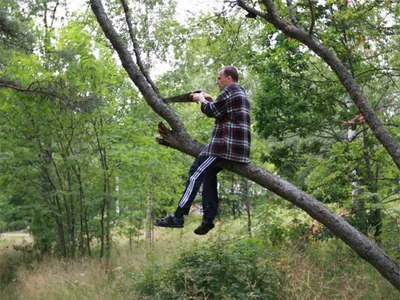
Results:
x,y
331,270
303,269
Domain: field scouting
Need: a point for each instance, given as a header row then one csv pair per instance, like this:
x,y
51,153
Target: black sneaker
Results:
x,y
204,227
171,221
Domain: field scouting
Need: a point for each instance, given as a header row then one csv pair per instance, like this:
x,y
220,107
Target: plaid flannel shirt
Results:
x,y
231,137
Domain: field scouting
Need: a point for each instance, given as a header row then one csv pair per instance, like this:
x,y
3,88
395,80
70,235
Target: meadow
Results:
x,y
226,264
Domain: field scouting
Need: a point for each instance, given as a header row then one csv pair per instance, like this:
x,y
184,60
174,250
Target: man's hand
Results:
x,y
207,97
198,97
201,98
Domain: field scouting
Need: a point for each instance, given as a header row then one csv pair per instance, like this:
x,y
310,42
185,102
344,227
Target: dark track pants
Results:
x,y
203,171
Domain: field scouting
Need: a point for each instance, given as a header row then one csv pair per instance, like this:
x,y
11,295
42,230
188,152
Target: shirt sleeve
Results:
x,y
218,108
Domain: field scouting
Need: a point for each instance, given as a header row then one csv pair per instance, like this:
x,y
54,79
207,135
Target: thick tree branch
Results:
x,y
152,98
178,139
136,46
371,253
252,11
345,77
336,224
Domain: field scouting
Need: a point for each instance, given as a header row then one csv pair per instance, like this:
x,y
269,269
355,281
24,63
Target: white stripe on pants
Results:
x,y
193,178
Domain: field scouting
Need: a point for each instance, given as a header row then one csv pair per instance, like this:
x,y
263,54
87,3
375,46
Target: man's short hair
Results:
x,y
231,71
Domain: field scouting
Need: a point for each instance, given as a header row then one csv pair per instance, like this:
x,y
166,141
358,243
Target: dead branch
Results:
x,y
36,87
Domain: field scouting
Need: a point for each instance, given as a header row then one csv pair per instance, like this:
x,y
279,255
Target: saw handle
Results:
x,y
194,92
209,99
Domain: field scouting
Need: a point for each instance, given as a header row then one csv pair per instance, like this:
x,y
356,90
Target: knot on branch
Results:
x,y
164,133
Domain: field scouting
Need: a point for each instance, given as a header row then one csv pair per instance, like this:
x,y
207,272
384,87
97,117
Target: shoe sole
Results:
x,y
203,232
168,226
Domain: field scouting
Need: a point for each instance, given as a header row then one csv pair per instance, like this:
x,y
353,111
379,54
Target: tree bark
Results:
x,y
105,221
102,230
88,237
247,201
61,235
148,219
178,138
375,216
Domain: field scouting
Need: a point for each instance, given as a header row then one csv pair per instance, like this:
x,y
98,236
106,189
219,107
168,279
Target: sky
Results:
x,y
184,9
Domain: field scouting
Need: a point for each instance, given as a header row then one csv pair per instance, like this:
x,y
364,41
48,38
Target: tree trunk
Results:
x,y
149,224
108,229
357,204
105,217
73,221
375,216
248,210
81,213
84,233
109,200
61,235
102,231
247,202
178,138
234,202
130,230
86,220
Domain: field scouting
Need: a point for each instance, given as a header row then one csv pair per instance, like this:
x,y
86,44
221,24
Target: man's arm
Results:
x,y
213,109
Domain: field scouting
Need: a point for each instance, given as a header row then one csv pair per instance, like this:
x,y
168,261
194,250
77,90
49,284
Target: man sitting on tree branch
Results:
x,y
231,140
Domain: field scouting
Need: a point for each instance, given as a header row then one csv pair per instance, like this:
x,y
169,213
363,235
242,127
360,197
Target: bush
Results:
x,y
224,270
3,226
9,262
16,225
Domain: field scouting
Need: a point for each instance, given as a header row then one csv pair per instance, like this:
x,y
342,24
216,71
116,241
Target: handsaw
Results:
x,y
184,98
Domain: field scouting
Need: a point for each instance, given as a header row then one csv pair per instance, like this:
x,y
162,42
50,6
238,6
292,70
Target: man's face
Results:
x,y
223,81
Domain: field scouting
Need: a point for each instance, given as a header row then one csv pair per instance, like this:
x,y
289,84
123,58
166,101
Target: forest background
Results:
x,y
80,169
